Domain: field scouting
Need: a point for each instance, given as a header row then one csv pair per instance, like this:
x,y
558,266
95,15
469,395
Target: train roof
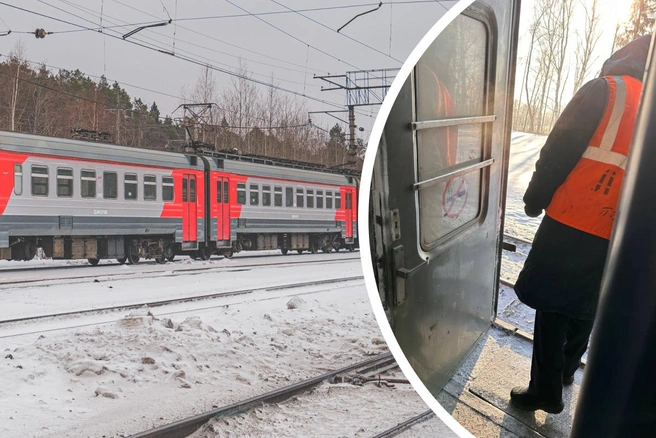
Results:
x,y
64,147
266,167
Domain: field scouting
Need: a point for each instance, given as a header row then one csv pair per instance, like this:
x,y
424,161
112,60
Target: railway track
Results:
x,y
188,426
408,424
160,303
161,272
85,265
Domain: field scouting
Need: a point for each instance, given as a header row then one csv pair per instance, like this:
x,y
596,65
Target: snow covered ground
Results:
x,y
524,152
123,374
114,374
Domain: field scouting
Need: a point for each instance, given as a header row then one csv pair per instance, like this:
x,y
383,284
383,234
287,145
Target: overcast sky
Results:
x,y
390,34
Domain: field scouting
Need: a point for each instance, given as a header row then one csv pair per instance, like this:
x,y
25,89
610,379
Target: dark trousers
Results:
x,y
558,345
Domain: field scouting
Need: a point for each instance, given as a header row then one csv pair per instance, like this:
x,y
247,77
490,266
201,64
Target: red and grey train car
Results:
x,y
79,200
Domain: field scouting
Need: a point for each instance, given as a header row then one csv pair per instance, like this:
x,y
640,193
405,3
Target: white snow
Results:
x,y
524,153
114,374
139,288
144,369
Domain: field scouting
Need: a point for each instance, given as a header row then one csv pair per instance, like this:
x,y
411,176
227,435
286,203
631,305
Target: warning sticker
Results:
x,y
454,197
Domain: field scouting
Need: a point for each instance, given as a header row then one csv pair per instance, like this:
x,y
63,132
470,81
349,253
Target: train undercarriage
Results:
x,y
132,249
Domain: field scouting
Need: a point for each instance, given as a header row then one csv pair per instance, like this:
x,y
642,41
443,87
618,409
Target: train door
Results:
x,y
436,205
349,213
223,208
189,209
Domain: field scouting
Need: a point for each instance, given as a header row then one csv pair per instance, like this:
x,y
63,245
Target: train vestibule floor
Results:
x,y
478,395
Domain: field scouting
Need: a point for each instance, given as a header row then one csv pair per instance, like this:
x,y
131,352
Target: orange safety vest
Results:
x,y
588,198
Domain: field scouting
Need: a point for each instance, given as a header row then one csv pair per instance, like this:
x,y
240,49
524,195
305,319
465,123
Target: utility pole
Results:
x,y
118,119
363,88
14,97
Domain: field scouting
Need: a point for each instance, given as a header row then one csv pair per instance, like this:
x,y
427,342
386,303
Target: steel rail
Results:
x,y
402,427
27,283
152,304
187,426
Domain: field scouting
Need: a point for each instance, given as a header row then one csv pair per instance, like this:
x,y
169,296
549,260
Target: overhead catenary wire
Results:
x,y
160,48
329,28
174,38
293,36
214,38
187,59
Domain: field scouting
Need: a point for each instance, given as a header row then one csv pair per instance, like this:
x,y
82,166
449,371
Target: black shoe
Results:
x,y
526,401
568,380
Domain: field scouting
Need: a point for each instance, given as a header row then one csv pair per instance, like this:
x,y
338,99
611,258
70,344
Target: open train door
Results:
x,y
189,212
438,189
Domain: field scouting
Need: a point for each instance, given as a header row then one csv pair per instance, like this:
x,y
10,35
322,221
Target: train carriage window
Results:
x,y
64,182
18,179
110,185
329,200
241,193
167,189
299,197
254,193
310,198
319,198
289,197
185,190
338,200
451,115
266,196
39,181
192,189
88,183
226,192
150,188
348,201
130,186
219,193
277,196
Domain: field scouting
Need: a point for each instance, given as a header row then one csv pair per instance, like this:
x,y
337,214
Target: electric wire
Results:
x,y
190,60
330,28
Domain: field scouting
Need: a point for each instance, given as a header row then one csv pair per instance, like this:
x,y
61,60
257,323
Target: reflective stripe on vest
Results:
x,y
588,198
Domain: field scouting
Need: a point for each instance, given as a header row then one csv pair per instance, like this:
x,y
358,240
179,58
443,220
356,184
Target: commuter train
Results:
x,y
436,217
83,200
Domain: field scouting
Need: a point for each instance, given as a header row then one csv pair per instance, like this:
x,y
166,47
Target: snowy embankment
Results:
x,y
145,370
524,152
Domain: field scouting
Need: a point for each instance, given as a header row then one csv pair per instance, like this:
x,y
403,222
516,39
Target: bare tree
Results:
x,y
587,43
640,22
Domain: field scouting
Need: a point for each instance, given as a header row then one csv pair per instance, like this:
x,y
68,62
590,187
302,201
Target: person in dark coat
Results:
x,y
562,274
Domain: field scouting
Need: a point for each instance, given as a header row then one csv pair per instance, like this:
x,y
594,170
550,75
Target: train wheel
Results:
x,y
284,251
93,262
169,253
133,254
161,259
314,248
205,253
121,260
351,248
228,254
29,250
300,251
